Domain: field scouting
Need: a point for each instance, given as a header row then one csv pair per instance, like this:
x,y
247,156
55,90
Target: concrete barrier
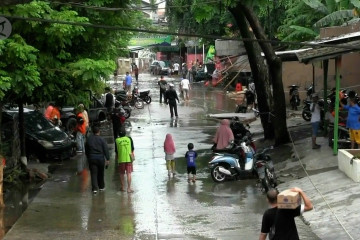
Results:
x,y
348,164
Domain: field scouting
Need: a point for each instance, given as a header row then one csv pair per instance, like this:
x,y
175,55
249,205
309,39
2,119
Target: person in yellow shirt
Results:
x,y
125,156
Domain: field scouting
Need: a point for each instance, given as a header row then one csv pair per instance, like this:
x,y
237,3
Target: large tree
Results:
x,y
273,118
43,60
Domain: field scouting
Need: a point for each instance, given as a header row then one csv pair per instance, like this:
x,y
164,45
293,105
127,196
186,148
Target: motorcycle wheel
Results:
x,y
139,104
306,115
148,99
218,176
265,183
127,113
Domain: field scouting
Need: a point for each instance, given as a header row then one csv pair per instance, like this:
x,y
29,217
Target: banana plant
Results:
x,y
336,11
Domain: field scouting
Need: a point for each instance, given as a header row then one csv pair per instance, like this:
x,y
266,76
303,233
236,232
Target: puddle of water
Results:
x,y
17,198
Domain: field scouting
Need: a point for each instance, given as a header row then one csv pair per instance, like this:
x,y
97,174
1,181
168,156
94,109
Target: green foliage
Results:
x,y
19,74
52,61
335,17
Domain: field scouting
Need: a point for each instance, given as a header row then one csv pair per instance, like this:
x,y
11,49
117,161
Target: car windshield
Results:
x,y
162,64
35,121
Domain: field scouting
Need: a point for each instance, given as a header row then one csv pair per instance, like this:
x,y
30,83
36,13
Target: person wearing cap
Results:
x,y
170,98
185,87
315,119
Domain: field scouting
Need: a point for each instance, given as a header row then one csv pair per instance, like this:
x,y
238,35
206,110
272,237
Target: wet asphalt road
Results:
x,y
173,208
160,208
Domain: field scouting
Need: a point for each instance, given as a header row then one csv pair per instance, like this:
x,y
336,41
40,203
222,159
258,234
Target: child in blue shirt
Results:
x,y
190,160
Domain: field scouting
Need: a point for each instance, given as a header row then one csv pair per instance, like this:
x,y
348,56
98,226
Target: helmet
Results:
x,y
171,85
235,119
136,87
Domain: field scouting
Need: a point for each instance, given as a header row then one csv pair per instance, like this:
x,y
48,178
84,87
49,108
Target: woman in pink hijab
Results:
x,y
169,149
224,135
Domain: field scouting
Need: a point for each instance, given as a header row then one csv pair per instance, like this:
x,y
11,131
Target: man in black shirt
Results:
x,y
109,100
96,150
280,223
170,98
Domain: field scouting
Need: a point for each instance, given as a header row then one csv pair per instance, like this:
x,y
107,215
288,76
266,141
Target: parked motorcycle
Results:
x,y
343,136
306,112
240,162
132,99
126,107
294,97
145,96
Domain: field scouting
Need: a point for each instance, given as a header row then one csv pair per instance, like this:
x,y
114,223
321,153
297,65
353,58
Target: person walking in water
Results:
x,y
185,88
163,85
125,157
96,150
170,98
191,156
169,149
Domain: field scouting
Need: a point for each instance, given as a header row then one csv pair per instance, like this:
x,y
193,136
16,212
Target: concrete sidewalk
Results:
x,y
334,195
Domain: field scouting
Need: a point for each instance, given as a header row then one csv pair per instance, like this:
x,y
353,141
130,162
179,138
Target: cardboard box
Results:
x,y
288,199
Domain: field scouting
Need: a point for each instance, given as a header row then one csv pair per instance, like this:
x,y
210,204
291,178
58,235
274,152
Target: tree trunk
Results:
x,y
259,71
275,68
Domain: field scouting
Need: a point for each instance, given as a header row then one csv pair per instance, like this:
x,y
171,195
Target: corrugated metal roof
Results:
x,y
322,53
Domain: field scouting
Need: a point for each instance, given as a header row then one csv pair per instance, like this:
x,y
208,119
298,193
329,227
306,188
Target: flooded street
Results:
x,y
176,208
161,207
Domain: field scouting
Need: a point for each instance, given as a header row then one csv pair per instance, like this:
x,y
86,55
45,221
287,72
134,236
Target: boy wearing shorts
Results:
x,y
190,160
124,156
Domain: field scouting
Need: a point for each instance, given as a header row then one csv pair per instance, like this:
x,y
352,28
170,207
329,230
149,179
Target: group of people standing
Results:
x,y
190,155
170,96
352,121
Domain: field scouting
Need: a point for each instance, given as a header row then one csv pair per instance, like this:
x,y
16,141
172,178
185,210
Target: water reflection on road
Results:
x,y
173,208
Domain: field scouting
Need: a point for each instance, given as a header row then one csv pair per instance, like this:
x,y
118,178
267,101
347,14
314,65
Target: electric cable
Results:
x,y
74,4
117,28
321,195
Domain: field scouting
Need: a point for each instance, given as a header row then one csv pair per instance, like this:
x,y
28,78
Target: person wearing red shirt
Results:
x,y
80,130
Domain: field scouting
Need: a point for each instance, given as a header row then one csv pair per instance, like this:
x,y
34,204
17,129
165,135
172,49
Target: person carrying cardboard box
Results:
x,y
278,221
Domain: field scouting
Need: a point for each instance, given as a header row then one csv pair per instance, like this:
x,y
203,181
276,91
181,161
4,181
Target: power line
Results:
x,y
128,8
117,28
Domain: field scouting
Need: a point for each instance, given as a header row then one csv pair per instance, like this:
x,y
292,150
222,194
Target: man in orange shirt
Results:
x,y
48,110
55,116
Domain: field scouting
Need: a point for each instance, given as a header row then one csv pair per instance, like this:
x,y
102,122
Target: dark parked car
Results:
x,y
201,75
42,138
159,68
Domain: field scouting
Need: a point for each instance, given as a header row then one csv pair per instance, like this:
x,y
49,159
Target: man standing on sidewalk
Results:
x,y
280,223
96,150
170,98
353,121
125,156
315,119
